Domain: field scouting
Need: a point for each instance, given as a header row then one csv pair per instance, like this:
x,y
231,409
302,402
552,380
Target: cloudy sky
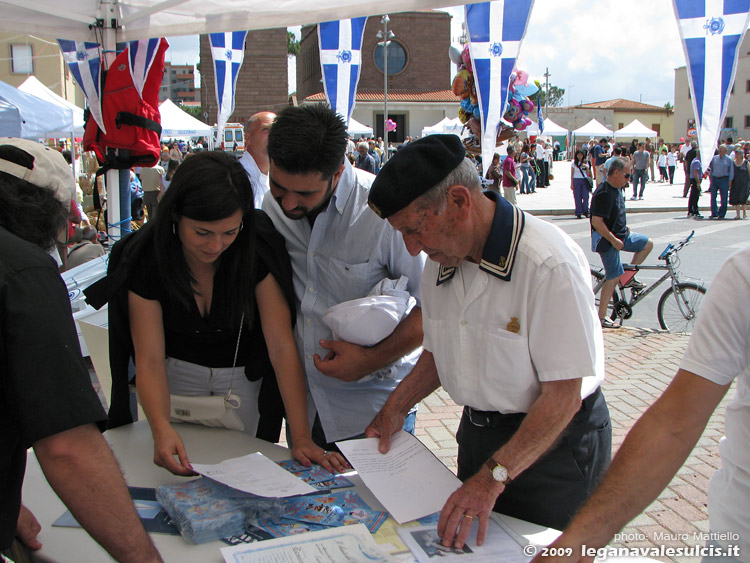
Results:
x,y
595,49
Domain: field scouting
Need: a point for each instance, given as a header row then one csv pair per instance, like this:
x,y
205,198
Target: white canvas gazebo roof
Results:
x,y
33,86
143,19
356,128
634,130
24,115
593,129
550,128
176,123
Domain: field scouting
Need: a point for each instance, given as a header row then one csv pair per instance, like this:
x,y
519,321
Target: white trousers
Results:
x,y
193,380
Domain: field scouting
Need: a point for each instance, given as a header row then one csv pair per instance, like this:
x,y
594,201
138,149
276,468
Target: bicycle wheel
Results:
x,y
677,311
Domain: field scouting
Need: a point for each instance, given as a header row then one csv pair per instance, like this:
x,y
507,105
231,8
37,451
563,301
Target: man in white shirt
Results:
x,y
660,442
541,179
510,331
339,250
255,159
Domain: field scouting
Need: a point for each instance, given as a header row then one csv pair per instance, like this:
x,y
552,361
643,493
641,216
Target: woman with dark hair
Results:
x,y
202,299
580,175
166,180
528,183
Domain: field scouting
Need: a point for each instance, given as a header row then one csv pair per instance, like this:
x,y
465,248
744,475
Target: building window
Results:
x,y
689,94
620,125
396,57
729,123
747,86
656,127
747,122
21,59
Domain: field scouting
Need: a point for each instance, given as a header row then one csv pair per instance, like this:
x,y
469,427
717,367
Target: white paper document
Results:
x,y
499,545
344,544
409,480
256,474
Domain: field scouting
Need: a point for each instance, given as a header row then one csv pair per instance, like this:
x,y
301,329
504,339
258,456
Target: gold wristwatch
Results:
x,y
498,471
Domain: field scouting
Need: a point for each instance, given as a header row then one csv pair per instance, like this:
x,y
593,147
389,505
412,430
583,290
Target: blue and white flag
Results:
x,y
84,61
495,30
140,58
711,32
228,52
340,61
539,116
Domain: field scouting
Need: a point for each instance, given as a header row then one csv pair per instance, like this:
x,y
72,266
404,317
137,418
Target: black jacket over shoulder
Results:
x,y
112,289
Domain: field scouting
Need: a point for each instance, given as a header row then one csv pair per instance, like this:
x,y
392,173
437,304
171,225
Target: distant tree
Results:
x,y
195,111
292,45
556,95
669,107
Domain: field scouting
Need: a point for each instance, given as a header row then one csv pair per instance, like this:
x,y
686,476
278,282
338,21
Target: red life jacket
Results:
x,y
132,122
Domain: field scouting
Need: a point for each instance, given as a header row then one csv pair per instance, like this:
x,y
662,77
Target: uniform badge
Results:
x,y
503,260
514,325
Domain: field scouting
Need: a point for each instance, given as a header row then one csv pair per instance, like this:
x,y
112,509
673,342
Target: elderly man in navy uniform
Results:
x,y
510,331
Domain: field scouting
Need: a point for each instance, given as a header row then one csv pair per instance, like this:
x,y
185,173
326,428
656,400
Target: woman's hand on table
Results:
x,y
167,445
306,452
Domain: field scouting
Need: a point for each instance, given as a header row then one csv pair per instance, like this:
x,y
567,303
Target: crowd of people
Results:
x,y
224,289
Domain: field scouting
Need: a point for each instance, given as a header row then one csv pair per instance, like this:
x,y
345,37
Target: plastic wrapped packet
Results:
x,y
368,320
204,510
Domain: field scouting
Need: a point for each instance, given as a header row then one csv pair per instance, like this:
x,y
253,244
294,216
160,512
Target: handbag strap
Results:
x,y
236,351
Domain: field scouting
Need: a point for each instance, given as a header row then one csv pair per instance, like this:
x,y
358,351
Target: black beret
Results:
x,y
413,170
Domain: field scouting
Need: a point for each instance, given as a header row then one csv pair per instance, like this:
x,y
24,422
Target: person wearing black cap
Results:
x,y
510,331
339,250
48,401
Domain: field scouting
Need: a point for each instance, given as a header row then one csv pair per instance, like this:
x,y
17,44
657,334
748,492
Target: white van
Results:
x,y
234,133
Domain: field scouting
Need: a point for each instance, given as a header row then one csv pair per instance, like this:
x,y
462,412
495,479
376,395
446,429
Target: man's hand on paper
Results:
x,y
305,451
28,528
473,500
167,445
344,360
386,423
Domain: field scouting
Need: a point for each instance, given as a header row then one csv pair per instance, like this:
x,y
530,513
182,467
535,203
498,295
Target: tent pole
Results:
x,y
117,183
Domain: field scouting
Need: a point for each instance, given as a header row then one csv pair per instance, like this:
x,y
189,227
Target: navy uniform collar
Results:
x,y
501,247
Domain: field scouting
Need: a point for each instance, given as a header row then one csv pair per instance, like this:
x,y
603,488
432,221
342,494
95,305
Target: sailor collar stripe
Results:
x,y
501,247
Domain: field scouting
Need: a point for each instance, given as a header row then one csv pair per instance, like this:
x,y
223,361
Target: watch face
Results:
x,y
499,473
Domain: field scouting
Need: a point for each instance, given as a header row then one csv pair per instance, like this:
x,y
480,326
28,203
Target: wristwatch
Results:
x,y
498,471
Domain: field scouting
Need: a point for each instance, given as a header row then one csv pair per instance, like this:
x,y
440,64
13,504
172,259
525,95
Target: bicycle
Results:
x,y
678,305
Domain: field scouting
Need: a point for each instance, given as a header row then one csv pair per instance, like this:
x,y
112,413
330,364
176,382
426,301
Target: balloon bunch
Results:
x,y
519,104
390,125
517,111
464,87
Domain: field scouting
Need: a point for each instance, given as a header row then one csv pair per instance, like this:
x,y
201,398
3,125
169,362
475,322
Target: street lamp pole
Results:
x,y
386,37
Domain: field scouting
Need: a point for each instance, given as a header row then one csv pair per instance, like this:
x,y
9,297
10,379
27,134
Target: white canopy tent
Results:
x,y
33,86
24,115
592,129
142,19
550,128
634,130
176,123
356,129
444,126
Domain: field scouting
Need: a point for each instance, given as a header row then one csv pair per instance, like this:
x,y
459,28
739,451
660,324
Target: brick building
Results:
x,y
419,73
262,83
